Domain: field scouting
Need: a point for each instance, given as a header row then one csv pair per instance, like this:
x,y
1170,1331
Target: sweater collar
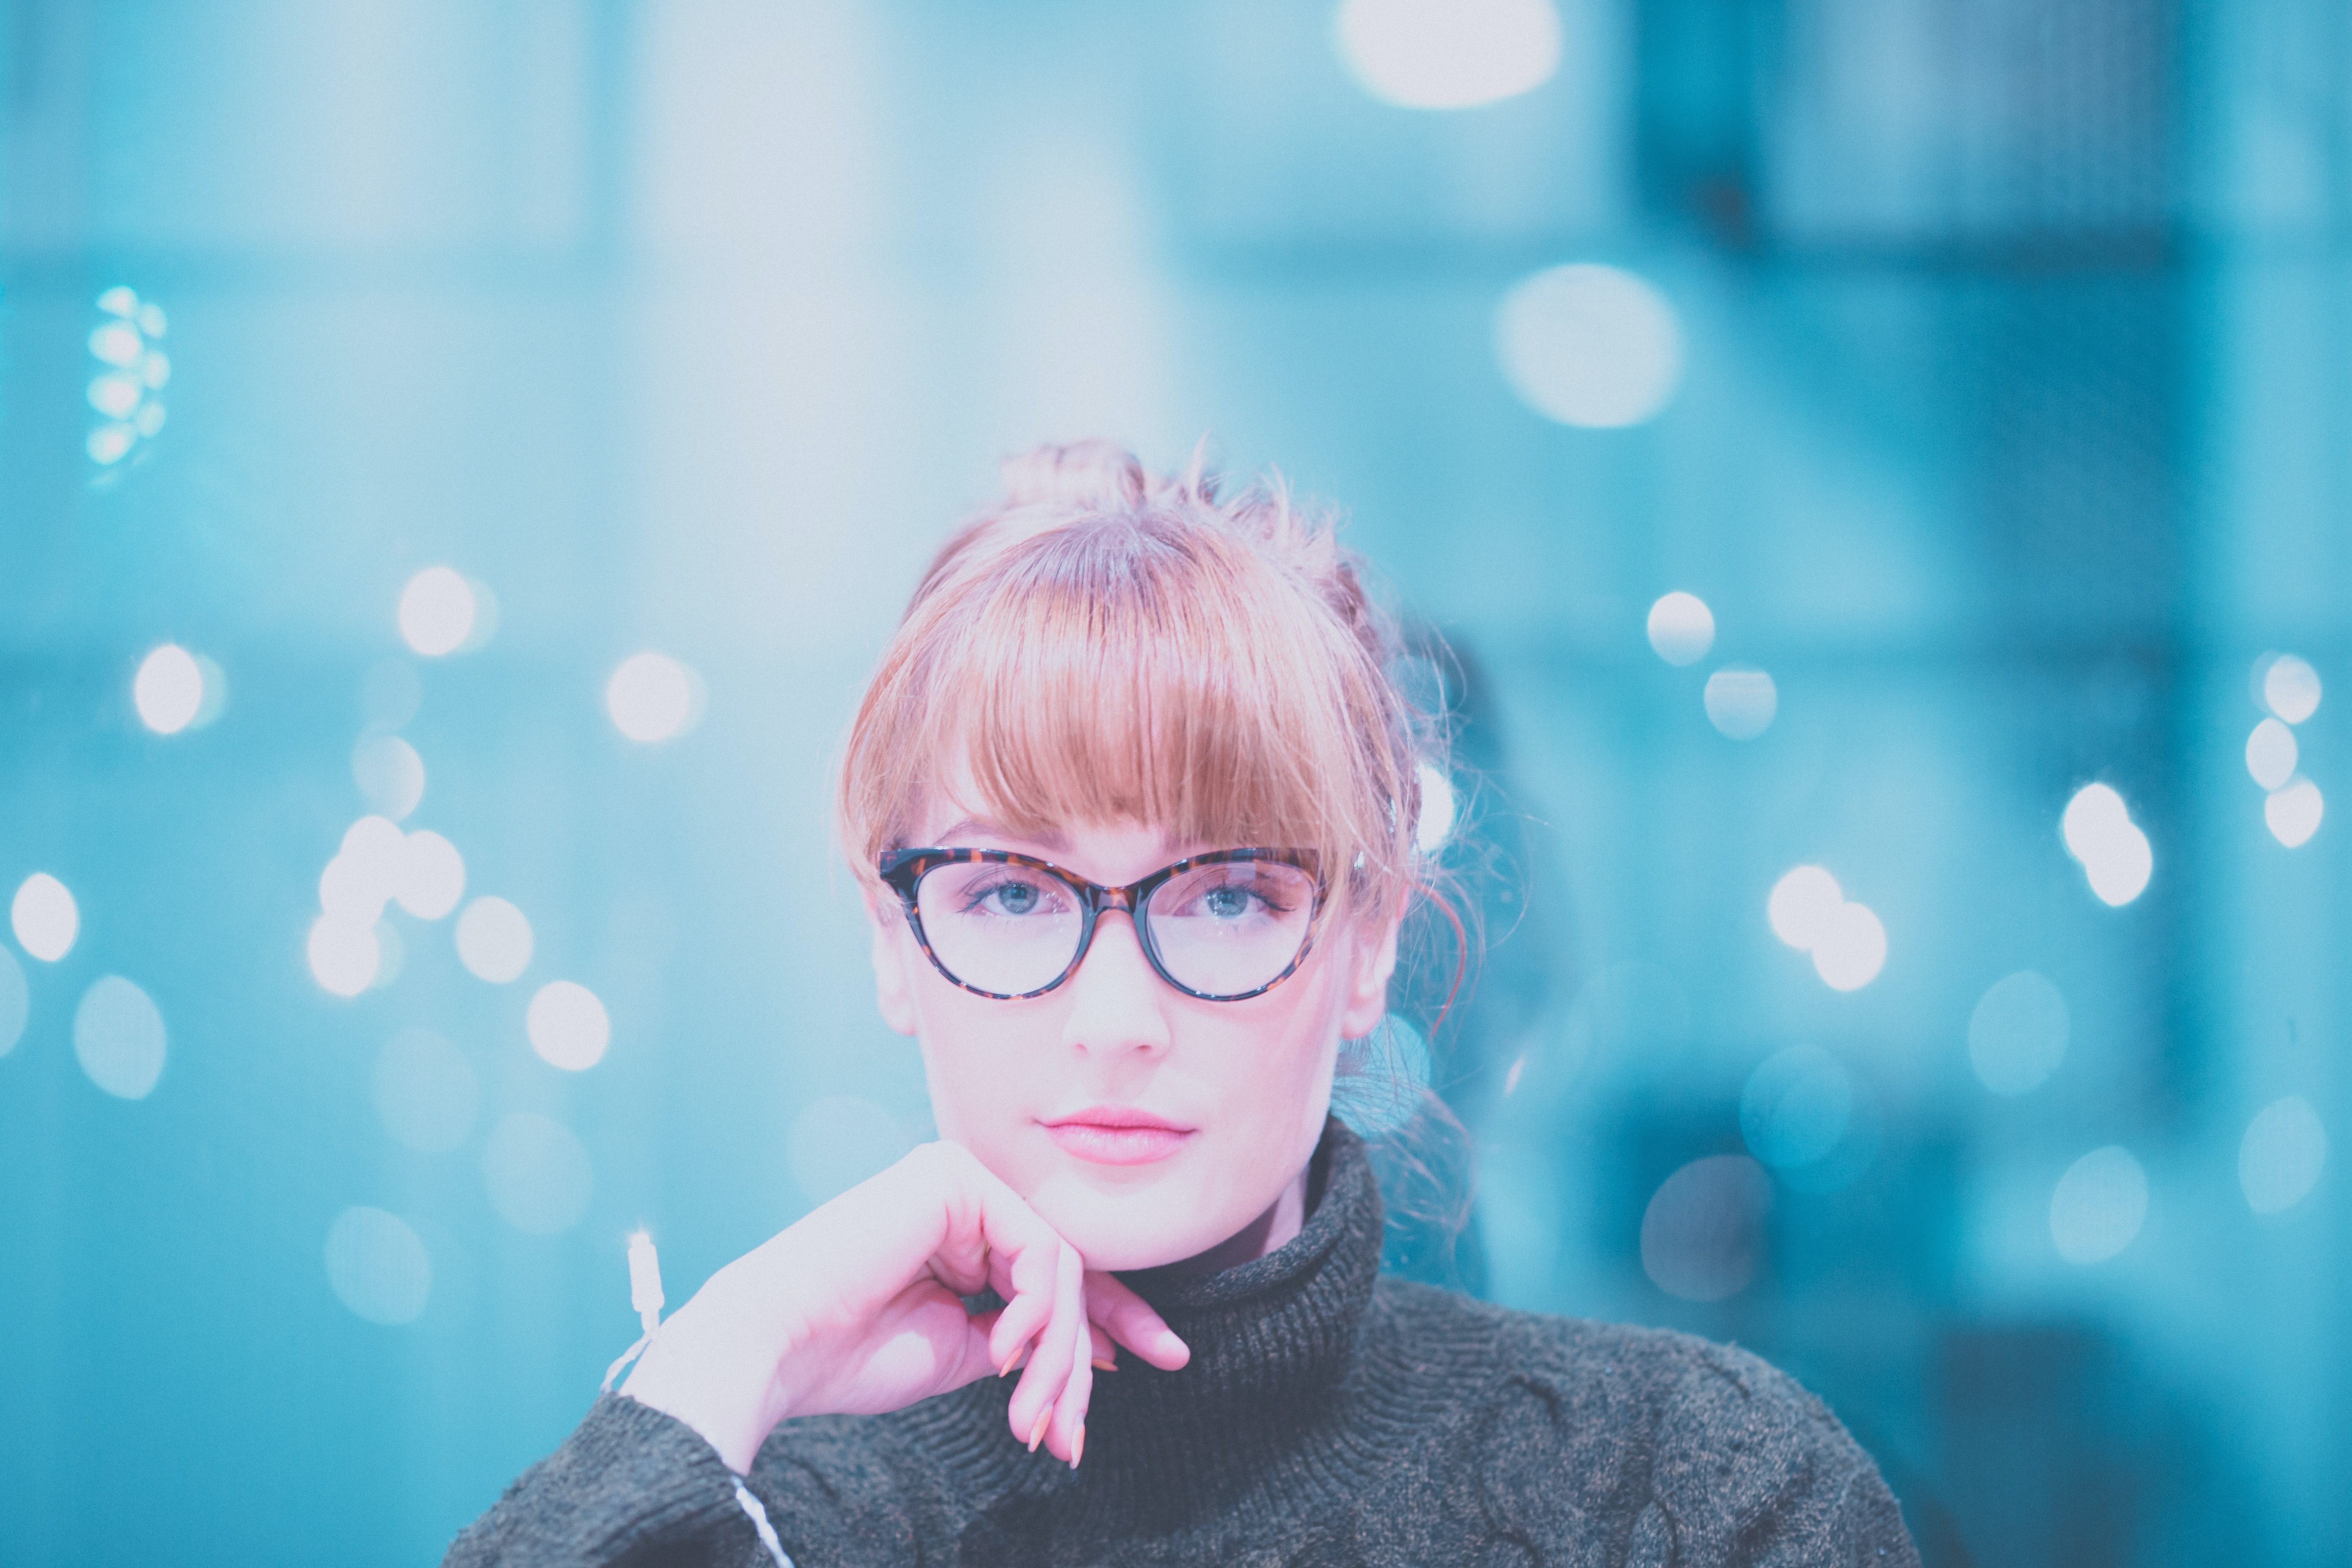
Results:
x,y
1273,1340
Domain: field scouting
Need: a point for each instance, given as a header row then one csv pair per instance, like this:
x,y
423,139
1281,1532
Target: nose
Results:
x,y
1115,999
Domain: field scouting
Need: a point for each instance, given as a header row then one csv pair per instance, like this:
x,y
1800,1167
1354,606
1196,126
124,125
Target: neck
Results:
x,y
1270,1232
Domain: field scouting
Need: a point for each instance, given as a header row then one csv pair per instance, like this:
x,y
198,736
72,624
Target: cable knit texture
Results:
x,y
1328,1416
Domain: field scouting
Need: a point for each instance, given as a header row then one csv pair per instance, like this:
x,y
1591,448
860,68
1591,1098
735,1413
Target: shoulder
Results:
x,y
1685,1449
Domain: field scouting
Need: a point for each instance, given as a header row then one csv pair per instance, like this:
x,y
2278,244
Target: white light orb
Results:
x,y
1589,345
2099,1205
343,954
1435,824
1741,702
1448,54
425,1092
2115,854
366,872
168,689
436,611
2017,1035
2294,813
377,1266
568,1026
651,698
1702,1231
838,1141
118,1037
120,301
117,343
1851,949
2120,874
1794,1108
2271,754
16,1002
1801,906
494,939
109,443
538,1173
45,917
2291,689
1681,628
432,875
2281,1154
390,775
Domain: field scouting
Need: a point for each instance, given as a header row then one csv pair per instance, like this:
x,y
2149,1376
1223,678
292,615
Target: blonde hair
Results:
x,y
1103,643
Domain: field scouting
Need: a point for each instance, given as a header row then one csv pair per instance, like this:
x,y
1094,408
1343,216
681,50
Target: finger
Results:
x,y
1033,1408
1129,1319
1102,1350
1070,1410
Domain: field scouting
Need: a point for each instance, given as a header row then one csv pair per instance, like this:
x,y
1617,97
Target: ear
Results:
x,y
1367,1002
894,990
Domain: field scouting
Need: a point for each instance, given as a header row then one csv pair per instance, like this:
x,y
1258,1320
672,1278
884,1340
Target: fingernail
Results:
x,y
1006,1370
1045,1418
1078,1445
1102,1365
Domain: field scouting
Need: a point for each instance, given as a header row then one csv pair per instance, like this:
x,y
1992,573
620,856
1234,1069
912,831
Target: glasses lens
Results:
x,y
1006,929
1232,926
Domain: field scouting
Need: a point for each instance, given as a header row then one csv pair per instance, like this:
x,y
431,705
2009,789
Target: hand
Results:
x,y
857,1309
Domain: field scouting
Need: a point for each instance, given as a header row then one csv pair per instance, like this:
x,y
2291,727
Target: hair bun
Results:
x,y
1100,473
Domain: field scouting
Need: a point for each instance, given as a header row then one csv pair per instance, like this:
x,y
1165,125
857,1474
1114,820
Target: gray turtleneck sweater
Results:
x,y
1328,1416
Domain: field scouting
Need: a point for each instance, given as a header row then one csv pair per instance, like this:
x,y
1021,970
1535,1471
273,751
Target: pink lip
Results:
x,y
1117,1135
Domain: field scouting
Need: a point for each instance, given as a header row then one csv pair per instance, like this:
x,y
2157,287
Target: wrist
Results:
x,y
716,1366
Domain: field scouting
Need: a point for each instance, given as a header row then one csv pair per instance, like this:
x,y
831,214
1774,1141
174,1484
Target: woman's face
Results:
x,y
1028,1086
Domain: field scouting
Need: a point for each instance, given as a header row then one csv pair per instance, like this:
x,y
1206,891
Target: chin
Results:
x,y
1124,1231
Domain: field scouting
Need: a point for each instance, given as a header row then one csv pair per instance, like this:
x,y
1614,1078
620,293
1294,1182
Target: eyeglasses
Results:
x,y
1222,927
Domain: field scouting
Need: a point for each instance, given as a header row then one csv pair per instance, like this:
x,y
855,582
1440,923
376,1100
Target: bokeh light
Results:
x,y
390,775
431,876
2291,689
1681,628
377,1266
1741,702
1589,345
118,1035
45,917
837,1140
651,698
536,1173
494,939
343,954
425,1092
568,1026
2293,812
391,955
436,612
1435,824
1448,54
168,690
1702,1232
365,871
16,1002
2017,1035
1795,1106
2271,754
2099,1205
1801,906
127,391
2281,1154
2116,856
1851,949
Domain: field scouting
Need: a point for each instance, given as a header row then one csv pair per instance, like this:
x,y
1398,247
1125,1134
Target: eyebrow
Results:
x,y
1050,839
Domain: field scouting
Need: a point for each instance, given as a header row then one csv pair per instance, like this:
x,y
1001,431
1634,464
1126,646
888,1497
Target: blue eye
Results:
x,y
1015,898
1228,902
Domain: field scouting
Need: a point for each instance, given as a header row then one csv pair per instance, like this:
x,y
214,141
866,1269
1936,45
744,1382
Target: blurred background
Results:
x,y
1881,467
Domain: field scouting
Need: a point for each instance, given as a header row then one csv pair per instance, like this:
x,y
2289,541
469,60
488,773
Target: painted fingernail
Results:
x,y
1006,1370
1103,1365
1078,1445
1045,1418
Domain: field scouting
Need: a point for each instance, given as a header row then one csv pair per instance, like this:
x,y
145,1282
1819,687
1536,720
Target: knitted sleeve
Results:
x,y
630,1486
1748,1469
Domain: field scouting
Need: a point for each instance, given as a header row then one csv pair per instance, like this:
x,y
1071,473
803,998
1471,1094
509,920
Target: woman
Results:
x,y
1132,801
